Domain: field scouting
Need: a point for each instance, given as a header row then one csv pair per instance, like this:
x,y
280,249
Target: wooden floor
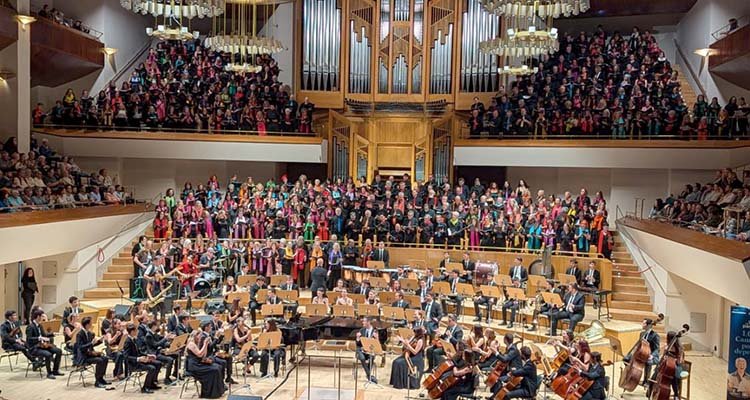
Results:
x,y
708,383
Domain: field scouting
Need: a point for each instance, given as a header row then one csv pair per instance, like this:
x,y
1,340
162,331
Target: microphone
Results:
x,y
122,292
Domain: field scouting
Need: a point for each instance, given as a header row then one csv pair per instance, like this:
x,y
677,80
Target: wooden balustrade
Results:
x,y
68,214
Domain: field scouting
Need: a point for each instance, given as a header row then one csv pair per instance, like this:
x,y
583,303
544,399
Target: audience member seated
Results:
x,y
43,179
601,85
183,85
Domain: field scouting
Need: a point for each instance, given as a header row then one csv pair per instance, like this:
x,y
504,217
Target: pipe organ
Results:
x,y
411,51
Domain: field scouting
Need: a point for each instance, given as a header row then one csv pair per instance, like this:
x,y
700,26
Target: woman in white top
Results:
x,y
344,299
320,297
229,286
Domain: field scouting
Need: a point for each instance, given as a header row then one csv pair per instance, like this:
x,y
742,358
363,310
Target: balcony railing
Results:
x,y
732,26
148,129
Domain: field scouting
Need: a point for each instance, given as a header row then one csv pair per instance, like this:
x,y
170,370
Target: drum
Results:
x,y
211,276
203,287
485,272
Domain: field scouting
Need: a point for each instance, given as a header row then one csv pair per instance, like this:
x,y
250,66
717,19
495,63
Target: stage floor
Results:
x,y
707,383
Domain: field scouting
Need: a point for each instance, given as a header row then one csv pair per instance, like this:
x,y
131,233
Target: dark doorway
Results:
x,y
485,174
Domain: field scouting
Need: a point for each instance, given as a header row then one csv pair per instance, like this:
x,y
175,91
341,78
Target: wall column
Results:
x,y
23,76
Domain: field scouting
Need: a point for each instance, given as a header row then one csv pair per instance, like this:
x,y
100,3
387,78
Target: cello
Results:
x,y
633,372
661,388
498,370
512,383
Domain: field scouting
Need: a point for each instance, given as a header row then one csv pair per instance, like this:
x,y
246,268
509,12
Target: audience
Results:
x,y
57,16
599,85
386,210
43,179
183,85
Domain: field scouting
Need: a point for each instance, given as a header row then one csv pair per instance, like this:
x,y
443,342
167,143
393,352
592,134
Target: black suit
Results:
x,y
435,354
51,356
457,299
528,384
575,271
67,312
518,272
172,323
400,303
432,315
484,301
365,359
365,291
512,358
254,305
10,342
595,277
597,390
318,276
381,255
153,344
131,353
81,354
578,302
469,266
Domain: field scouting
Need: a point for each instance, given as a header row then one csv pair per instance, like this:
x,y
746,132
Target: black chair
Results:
x,y
187,378
80,370
8,355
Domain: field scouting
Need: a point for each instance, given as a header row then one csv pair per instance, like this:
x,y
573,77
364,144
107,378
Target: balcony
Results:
x,y
730,54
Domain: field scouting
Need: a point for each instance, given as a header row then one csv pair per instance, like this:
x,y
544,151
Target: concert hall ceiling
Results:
x,y
621,8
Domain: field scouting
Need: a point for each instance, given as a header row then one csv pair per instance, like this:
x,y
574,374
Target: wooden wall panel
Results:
x,y
394,156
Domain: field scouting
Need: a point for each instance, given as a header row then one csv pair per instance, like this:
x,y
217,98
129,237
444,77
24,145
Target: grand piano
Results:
x,y
300,329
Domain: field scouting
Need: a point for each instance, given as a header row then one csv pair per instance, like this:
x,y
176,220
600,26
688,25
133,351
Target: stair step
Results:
x,y
112,283
629,280
120,268
117,275
125,254
625,266
631,297
625,288
631,315
122,261
104,293
632,305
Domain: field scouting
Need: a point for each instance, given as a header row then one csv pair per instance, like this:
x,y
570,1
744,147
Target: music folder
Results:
x,y
448,347
394,313
552,298
371,346
272,310
269,340
245,350
177,344
340,310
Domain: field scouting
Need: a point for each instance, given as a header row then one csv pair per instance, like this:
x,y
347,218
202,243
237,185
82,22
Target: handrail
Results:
x,y
100,128
59,206
689,67
147,45
68,23
725,30
650,268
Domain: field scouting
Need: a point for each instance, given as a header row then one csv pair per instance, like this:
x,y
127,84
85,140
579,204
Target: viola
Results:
x,y
499,370
632,373
512,383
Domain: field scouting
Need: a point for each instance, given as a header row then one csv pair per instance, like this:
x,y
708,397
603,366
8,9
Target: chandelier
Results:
x,y
518,70
239,37
543,8
163,32
176,8
523,38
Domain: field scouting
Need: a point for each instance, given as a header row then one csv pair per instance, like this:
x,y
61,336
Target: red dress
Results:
x,y
300,257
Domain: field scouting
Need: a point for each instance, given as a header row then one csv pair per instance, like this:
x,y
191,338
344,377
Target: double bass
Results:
x,y
661,388
633,372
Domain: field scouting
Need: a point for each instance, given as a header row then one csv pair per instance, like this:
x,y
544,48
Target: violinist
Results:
x,y
40,345
452,334
402,376
84,353
676,352
225,362
154,343
652,338
463,367
241,336
112,339
512,358
529,382
595,372
365,359
70,313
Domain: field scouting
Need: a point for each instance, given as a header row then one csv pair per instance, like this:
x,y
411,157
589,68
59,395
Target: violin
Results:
x,y
661,388
632,373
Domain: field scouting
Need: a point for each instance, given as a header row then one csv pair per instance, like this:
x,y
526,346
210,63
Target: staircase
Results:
x,y
119,272
688,93
630,300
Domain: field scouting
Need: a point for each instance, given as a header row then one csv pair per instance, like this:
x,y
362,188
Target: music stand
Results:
x,y
405,333
409,283
465,289
372,348
490,291
177,344
288,295
552,299
387,298
194,324
394,313
413,300
269,341
357,298
51,326
535,283
246,280
566,279
377,282
503,280
272,310
368,310
340,310
455,266
278,280
411,314
261,295
441,288
316,310
377,265
244,298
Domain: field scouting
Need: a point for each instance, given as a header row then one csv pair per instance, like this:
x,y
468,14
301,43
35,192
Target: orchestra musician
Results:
x,y
477,342
401,376
320,297
229,287
511,304
12,341
278,354
454,298
139,361
367,331
40,345
511,357
529,382
70,314
372,298
464,368
400,273
344,299
381,254
203,370
452,334
254,304
364,288
112,339
235,311
399,301
490,353
596,373
154,343
574,270
591,279
445,261
422,291
518,272
182,325
241,335
652,338
288,286
84,353
468,266
430,278
340,286
573,309
222,359
486,301
419,321
432,314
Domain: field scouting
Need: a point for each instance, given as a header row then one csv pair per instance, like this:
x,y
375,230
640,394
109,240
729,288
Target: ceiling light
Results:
x,y
109,51
25,20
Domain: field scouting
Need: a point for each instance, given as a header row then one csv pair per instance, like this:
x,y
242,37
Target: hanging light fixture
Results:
x,y
239,37
543,8
523,37
176,8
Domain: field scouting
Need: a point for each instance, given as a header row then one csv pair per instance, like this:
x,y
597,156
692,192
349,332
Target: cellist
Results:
x,y
674,351
652,338
529,383
463,368
511,358
595,373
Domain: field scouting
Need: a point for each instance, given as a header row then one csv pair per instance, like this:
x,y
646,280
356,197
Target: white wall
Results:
x,y
694,32
620,186
281,27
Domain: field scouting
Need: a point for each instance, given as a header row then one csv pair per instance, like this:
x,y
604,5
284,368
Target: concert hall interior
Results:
x,y
405,199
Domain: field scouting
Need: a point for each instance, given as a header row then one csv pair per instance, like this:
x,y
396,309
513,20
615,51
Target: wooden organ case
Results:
x,y
394,74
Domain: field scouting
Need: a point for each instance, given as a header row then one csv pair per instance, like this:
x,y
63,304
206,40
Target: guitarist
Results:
x,y
529,380
10,331
464,369
595,373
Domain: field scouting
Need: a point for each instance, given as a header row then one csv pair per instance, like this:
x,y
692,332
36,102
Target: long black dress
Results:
x,y
400,370
209,375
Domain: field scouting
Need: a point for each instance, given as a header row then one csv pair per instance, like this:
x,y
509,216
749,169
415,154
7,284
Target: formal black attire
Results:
x,y
82,355
318,276
131,352
154,344
456,299
433,312
254,304
381,255
598,388
528,385
578,302
29,289
435,354
209,375
365,359
51,356
10,341
400,376
465,385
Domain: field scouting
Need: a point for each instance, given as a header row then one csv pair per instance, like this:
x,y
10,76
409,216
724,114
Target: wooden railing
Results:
x,y
69,214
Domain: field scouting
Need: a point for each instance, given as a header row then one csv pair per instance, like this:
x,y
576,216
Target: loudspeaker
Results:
x,y
243,397
122,311
214,305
